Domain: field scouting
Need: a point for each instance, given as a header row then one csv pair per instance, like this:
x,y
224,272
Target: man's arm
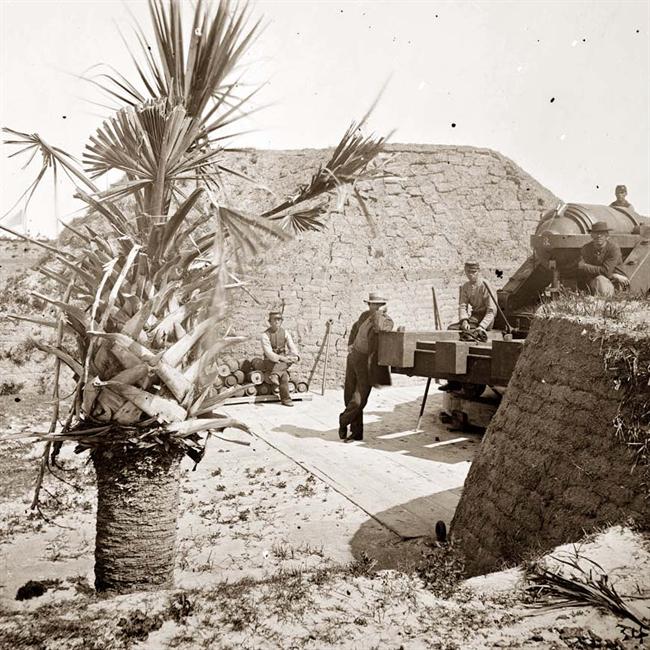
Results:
x,y
463,303
490,311
267,350
291,347
382,321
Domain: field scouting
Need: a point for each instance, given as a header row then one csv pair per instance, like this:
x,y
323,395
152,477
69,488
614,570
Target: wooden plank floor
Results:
x,y
399,476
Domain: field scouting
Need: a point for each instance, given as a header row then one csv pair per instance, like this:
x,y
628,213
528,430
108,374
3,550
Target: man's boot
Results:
x,y
355,434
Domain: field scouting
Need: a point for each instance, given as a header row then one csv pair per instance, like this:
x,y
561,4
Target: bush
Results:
x,y
11,387
441,569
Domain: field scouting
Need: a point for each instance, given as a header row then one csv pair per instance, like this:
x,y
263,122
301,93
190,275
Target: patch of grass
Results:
x,y
621,309
282,551
19,354
239,613
364,566
180,606
138,625
52,626
441,570
252,473
306,489
627,364
289,594
10,387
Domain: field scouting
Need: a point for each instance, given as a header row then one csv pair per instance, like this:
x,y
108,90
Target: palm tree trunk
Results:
x,y
137,510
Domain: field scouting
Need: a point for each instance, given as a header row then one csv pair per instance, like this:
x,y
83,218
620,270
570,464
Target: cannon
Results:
x,y
552,264
556,246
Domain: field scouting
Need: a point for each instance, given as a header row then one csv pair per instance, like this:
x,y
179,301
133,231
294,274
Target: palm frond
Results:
x,y
349,163
583,586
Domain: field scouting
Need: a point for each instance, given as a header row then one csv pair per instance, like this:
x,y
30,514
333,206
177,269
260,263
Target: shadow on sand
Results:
x,y
389,550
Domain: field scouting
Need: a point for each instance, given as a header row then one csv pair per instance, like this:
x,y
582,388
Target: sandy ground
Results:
x,y
269,555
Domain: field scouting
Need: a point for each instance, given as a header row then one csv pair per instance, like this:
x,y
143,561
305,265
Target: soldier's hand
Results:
x,y
621,279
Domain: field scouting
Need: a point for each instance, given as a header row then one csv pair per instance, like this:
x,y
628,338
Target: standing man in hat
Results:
x,y
621,198
362,371
599,259
279,353
476,309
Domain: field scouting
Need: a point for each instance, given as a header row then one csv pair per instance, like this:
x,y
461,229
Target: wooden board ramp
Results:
x,y
405,493
257,399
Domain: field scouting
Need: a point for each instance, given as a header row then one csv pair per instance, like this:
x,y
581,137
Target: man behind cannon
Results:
x,y
476,309
621,198
599,261
279,353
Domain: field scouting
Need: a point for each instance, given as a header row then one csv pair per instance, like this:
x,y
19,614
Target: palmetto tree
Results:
x,y
142,303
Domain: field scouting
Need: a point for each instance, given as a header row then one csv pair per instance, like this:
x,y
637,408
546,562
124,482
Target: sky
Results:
x,y
561,88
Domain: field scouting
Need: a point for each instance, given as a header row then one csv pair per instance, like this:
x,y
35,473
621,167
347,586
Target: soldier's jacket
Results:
x,y
381,322
600,262
475,300
277,343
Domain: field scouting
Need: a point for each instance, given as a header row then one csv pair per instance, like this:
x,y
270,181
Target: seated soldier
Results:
x,y
279,353
599,259
476,309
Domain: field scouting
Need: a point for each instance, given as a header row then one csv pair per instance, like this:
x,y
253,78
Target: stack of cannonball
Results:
x,y
250,375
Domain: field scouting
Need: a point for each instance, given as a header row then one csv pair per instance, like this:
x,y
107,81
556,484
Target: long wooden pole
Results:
x,y
436,314
438,325
424,402
327,353
318,355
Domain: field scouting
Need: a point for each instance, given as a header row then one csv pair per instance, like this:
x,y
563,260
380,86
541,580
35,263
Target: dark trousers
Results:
x,y
473,321
355,393
279,370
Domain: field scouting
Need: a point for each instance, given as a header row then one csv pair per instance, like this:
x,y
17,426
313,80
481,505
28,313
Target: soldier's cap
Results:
x,y
620,188
600,226
375,299
275,312
472,266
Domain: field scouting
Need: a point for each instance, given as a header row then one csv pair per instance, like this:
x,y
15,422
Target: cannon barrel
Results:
x,y
569,227
578,218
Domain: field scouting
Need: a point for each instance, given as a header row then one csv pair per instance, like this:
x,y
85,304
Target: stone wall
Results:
x,y
20,366
441,206
550,466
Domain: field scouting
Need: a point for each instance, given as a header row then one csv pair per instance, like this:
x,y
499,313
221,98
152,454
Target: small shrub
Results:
x,y
363,566
441,570
138,625
179,607
11,387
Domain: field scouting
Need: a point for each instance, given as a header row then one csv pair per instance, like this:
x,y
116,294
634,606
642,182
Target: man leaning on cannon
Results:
x,y
279,353
362,371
